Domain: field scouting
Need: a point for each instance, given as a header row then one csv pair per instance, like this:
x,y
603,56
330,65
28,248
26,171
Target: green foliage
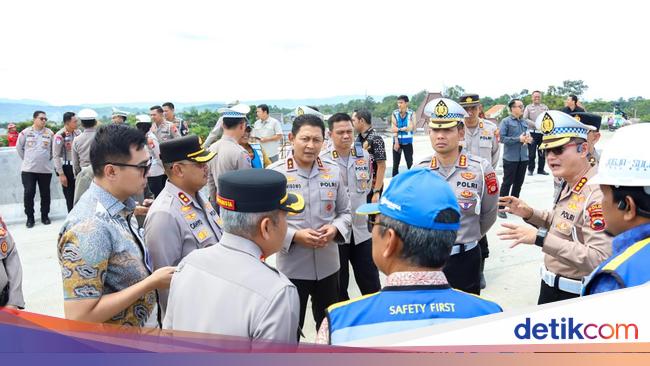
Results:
x,y
4,141
453,92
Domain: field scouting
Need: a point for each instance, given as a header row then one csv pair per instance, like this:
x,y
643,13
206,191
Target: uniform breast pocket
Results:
x,y
327,202
485,142
363,179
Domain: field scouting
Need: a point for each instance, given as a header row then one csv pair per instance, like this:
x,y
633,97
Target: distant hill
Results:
x,y
22,110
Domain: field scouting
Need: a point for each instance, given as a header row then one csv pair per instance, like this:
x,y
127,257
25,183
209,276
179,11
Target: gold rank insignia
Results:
x,y
326,176
581,184
291,178
3,232
183,197
202,234
547,123
4,248
441,109
290,164
335,154
434,163
185,208
320,163
480,124
190,216
462,162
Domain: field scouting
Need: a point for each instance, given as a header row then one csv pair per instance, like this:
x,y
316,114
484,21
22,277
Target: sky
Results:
x,y
76,52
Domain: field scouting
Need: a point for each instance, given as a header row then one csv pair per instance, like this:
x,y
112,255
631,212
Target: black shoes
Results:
x,y
542,173
30,222
46,220
530,173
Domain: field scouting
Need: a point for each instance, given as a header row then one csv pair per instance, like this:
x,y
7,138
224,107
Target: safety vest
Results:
x,y
629,268
404,137
400,308
258,158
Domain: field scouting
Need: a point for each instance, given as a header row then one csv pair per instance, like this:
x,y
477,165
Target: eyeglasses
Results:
x,y
144,166
43,118
559,150
372,223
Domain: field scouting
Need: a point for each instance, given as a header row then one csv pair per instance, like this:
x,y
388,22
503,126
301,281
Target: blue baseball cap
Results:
x,y
416,197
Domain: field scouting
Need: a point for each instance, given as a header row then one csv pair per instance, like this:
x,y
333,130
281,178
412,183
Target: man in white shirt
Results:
x,y
268,132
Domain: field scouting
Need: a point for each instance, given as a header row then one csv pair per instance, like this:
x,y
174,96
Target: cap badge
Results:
x,y
469,100
300,111
577,117
441,109
547,123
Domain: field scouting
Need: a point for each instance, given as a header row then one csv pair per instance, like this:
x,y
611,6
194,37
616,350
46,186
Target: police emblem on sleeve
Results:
x,y
547,124
441,109
4,248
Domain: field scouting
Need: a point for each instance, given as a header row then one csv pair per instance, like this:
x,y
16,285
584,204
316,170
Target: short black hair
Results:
x,y
638,195
36,113
112,143
264,108
67,116
88,123
403,98
156,108
232,122
536,91
337,117
512,103
574,98
169,105
365,115
307,120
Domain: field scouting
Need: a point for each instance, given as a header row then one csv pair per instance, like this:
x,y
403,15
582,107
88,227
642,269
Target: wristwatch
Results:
x,y
376,190
541,236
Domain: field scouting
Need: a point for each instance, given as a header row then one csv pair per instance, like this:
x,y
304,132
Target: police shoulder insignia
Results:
x,y
462,161
547,123
290,164
3,232
335,154
434,163
320,163
202,234
480,124
580,185
492,183
183,197
4,248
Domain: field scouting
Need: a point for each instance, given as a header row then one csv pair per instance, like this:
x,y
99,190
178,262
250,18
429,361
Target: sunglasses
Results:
x,y
559,150
372,223
144,166
43,119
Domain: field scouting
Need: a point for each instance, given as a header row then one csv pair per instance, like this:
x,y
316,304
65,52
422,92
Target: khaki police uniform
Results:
x,y
166,131
239,294
11,272
474,181
81,149
576,242
483,141
314,271
356,176
230,156
175,225
62,157
35,149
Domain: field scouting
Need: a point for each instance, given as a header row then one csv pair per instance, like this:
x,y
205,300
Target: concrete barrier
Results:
x,y
11,193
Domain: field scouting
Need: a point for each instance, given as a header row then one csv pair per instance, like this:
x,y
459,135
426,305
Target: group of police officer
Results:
x,y
303,208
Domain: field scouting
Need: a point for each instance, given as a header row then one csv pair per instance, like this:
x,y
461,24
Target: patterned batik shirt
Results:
x,y
102,252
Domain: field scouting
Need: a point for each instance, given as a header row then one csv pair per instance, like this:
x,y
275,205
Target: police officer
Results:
x,y
412,234
230,155
11,272
118,117
309,255
481,139
475,184
164,130
572,235
156,177
356,175
624,180
35,149
62,156
81,144
181,219
217,131
239,294
403,126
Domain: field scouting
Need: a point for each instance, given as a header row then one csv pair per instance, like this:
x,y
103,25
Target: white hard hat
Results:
x,y
144,118
87,114
625,160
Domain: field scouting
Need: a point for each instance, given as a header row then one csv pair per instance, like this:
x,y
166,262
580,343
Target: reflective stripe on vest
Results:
x,y
629,268
395,309
403,137
258,158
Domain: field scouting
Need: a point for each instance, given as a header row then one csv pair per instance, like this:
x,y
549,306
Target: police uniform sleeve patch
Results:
x,y
492,183
4,247
58,139
596,217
